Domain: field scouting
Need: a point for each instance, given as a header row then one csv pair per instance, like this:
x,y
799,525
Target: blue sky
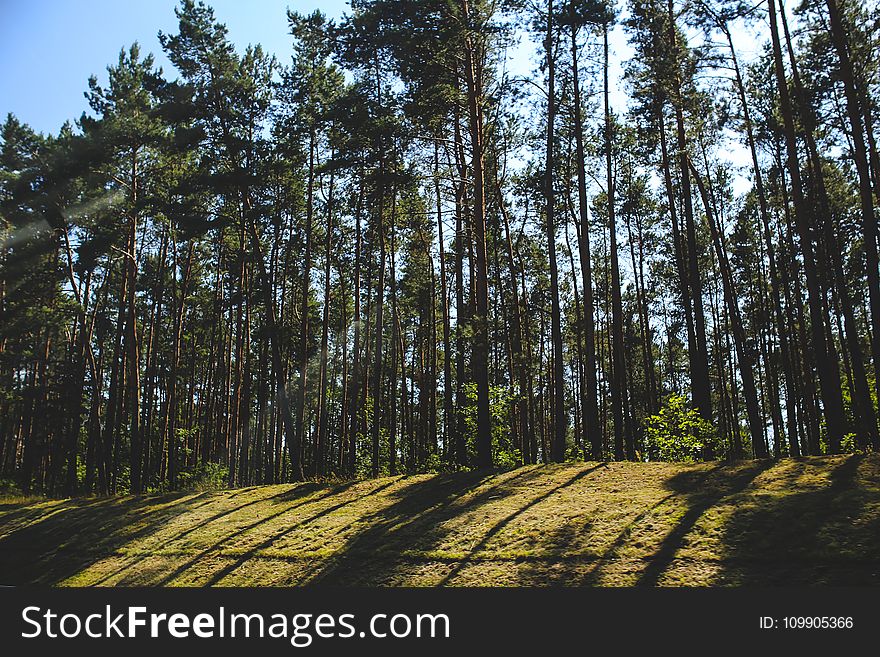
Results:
x,y
49,48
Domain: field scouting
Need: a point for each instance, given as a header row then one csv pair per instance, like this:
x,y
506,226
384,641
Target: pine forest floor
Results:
x,y
812,521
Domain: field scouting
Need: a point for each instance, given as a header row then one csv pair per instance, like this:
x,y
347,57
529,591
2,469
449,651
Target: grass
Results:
x,y
797,521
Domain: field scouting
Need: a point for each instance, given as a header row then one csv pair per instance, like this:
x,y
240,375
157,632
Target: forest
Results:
x,y
384,252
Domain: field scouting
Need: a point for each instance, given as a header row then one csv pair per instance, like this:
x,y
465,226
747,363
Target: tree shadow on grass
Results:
x,y
825,535
78,533
555,565
723,483
299,491
404,542
295,492
15,516
699,490
374,556
288,529
808,522
497,527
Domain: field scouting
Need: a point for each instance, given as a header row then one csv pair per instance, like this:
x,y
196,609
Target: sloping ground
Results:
x,y
803,521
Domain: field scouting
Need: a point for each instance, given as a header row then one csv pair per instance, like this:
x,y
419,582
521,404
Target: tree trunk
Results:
x,y
739,338
829,376
700,388
866,200
560,417
480,354
624,446
592,432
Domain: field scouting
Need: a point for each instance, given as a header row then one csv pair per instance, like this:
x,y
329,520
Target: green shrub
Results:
x,y
504,454
8,488
204,477
849,444
678,433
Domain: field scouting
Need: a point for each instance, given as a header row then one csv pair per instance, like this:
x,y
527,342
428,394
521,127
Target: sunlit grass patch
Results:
x,y
811,520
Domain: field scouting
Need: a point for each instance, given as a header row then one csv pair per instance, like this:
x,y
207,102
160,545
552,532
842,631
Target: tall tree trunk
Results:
x,y
356,374
396,352
444,303
302,415
638,265
624,446
560,417
829,376
272,329
592,433
169,429
321,442
739,338
677,247
461,309
379,329
132,344
866,200
700,388
520,359
779,319
480,354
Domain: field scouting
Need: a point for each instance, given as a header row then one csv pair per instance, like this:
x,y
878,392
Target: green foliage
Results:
x,y
504,455
433,463
848,444
8,488
162,239
204,477
678,433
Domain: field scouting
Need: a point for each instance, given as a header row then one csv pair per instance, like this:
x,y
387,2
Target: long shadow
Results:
x,y
71,538
501,524
700,502
297,491
552,567
415,522
687,480
793,532
132,561
79,533
828,535
304,500
289,529
15,516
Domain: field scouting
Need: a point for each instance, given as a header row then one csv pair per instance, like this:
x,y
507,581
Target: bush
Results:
x,y
678,433
204,477
8,488
504,454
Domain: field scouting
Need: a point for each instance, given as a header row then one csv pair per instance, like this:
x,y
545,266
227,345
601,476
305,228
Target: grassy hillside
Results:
x,y
812,520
